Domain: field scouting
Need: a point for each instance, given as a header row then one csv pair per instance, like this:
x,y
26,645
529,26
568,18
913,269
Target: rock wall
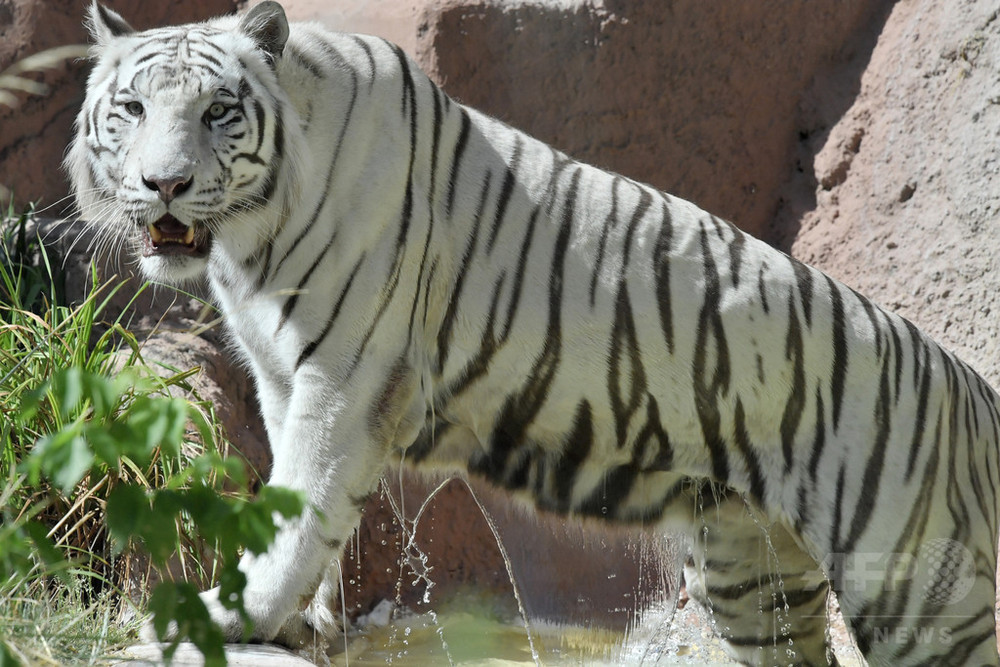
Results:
x,y
903,201
701,99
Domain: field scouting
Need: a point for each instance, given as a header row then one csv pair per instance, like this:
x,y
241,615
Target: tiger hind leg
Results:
x,y
941,613
767,596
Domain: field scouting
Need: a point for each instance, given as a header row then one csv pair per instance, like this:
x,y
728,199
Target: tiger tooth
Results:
x,y
154,233
189,235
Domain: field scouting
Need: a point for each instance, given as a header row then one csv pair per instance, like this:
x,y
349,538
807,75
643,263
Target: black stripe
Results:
x,y
456,159
293,299
806,485
609,494
762,288
328,182
371,59
653,428
303,61
795,406
819,438
576,450
869,309
921,366
838,510
431,199
640,210
451,312
876,461
736,248
308,350
207,42
521,408
804,280
625,397
838,372
897,345
212,59
710,382
609,221
142,60
741,438
506,190
406,216
479,364
522,264
266,266
624,338
275,163
661,274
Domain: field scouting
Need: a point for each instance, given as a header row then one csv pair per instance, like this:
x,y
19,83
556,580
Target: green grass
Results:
x,y
104,473
47,624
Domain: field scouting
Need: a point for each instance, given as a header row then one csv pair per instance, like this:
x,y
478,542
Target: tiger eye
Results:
x,y
134,108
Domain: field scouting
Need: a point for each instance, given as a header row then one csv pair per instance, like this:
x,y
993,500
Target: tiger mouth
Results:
x,y
170,236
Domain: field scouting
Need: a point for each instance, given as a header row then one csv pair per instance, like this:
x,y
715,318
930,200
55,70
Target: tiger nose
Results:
x,y
168,188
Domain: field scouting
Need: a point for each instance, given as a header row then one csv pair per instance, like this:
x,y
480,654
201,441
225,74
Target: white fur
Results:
x,y
341,289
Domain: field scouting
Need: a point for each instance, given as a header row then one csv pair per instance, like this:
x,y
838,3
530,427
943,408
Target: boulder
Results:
x,y
900,194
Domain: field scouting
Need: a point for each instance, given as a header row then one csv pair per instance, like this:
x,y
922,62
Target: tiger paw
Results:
x,y
229,622
301,634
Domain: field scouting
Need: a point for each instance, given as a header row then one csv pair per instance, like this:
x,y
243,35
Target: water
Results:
x,y
473,629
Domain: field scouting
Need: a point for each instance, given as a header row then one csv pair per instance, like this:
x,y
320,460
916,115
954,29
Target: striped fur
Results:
x,y
409,279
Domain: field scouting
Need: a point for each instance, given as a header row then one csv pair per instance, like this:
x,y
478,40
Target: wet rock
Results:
x,y
237,655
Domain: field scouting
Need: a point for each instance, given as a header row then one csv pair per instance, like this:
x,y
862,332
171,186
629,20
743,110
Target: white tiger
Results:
x,y
410,279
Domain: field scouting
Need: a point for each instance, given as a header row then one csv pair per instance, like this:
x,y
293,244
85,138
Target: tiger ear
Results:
x,y
105,24
267,26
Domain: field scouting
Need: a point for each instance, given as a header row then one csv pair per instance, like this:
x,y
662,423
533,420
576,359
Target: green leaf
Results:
x,y
67,391
127,511
31,402
7,658
179,602
232,581
159,534
64,457
106,443
159,422
257,528
43,546
286,502
163,605
103,393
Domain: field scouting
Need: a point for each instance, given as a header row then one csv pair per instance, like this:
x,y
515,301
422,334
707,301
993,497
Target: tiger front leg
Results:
x,y
333,448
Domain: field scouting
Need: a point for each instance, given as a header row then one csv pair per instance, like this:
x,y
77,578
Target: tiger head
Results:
x,y
180,141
